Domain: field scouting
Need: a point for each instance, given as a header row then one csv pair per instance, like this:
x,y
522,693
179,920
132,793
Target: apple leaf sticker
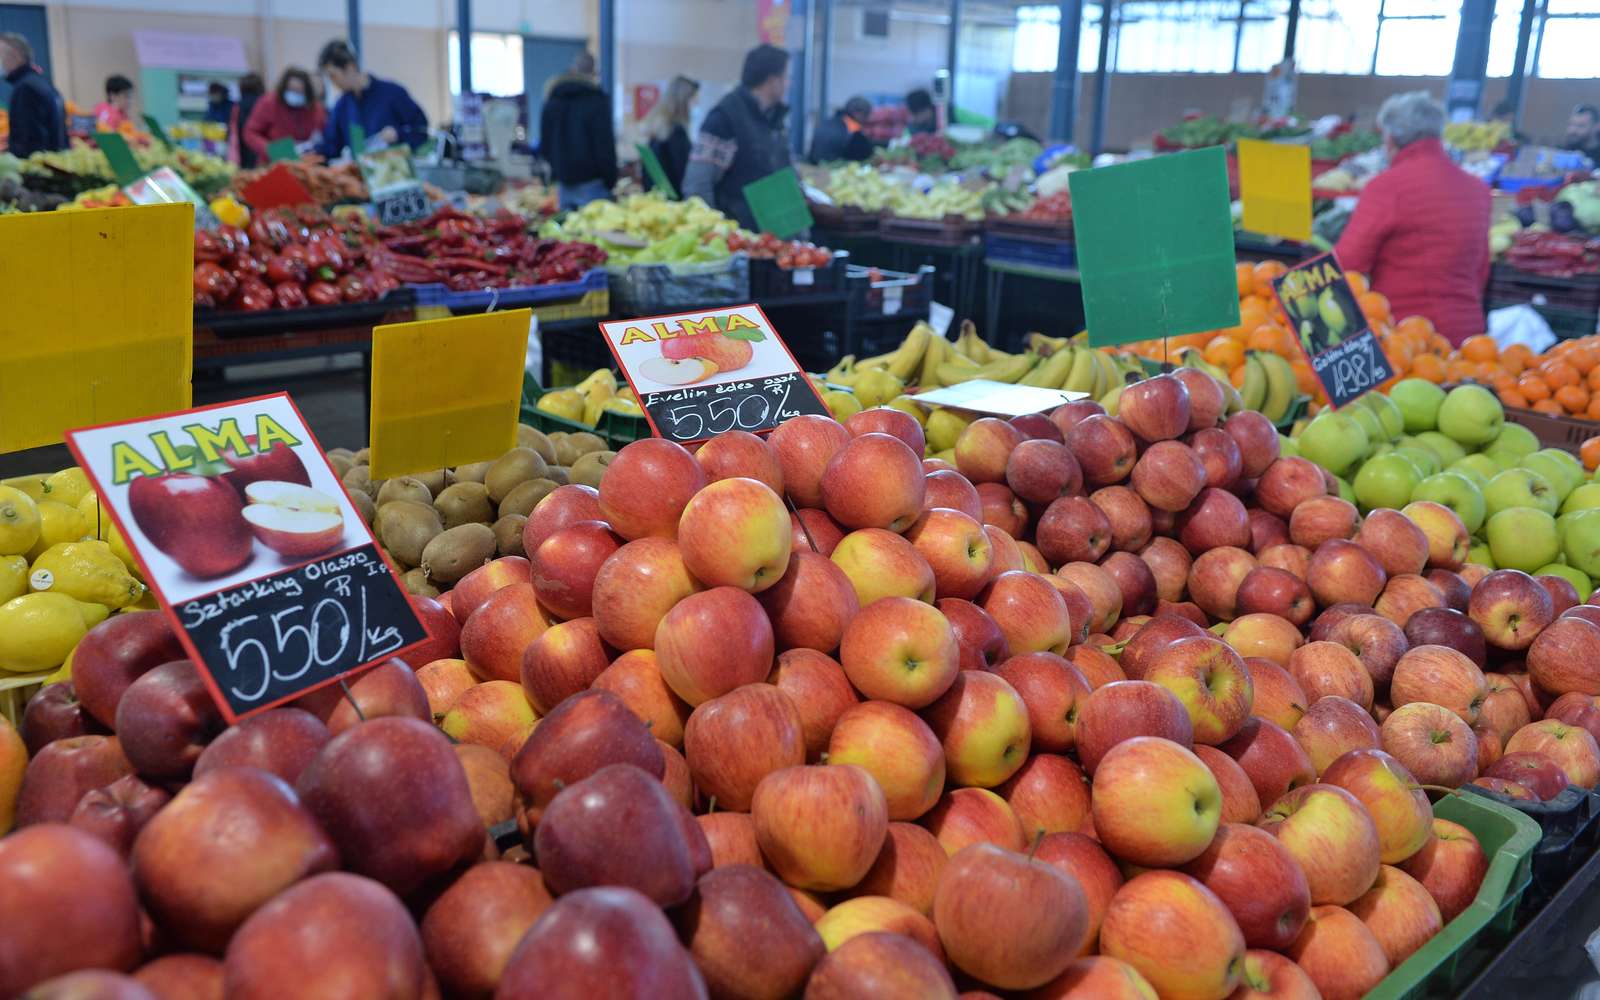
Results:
x,y
753,336
200,466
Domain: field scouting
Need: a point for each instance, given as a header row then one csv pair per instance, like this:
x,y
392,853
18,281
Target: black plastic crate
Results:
x,y
1509,286
1031,251
769,281
879,294
1570,824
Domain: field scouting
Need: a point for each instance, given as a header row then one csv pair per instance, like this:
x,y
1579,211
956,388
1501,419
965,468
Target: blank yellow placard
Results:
x,y
1275,186
96,319
446,392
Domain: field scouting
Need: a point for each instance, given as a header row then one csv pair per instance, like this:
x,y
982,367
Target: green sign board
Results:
x,y
778,203
124,167
280,149
653,169
1155,247
358,140
157,131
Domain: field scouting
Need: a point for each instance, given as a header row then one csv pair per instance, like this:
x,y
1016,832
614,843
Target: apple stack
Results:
x,y
1061,720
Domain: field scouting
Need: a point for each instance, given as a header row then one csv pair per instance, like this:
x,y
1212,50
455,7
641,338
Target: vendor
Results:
x,y
1421,229
292,111
841,137
921,115
743,138
1583,131
383,108
112,113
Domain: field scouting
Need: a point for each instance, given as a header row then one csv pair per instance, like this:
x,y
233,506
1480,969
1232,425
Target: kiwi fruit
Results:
x,y
508,535
416,582
404,488
344,453
362,457
457,552
340,465
589,468
529,437
558,474
469,473
363,505
524,496
358,478
464,503
516,466
574,445
406,527
435,481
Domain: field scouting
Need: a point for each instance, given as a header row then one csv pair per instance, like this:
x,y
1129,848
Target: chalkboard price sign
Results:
x,y
1331,328
400,203
698,412
278,635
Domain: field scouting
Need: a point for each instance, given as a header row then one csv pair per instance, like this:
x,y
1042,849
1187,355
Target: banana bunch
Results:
x,y
1476,136
1269,384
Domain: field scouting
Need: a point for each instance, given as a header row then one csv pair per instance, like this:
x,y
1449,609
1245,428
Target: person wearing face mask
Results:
x,y
38,115
383,108
289,112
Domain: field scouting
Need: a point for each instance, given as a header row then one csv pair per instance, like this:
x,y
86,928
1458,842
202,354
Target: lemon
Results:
x,y
93,614
13,577
57,523
19,521
67,486
37,631
87,571
34,486
98,524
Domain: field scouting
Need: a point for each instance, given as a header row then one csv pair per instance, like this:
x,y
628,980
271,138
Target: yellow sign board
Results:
x,y
1275,186
446,392
96,319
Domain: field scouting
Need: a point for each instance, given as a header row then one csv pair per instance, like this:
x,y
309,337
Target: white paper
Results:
x,y
1003,398
940,317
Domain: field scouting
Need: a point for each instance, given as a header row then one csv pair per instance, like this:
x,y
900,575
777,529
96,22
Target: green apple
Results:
x,y
1560,468
1577,577
1387,481
1383,448
1370,423
1580,541
1334,440
1421,456
1585,497
1514,438
1481,468
1520,488
1389,415
1522,538
1347,492
1479,553
1287,447
1419,401
1471,415
1457,492
1447,450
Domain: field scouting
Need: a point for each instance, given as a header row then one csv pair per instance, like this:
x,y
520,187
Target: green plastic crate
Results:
x,y
1440,967
618,429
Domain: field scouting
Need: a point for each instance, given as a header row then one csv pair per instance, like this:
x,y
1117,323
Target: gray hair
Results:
x,y
19,43
1405,118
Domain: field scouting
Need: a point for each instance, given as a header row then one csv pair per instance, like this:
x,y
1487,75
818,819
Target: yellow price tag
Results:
x,y
446,392
1275,186
98,321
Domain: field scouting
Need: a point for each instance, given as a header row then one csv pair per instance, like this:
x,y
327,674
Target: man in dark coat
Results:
x,y
576,136
743,139
841,137
37,113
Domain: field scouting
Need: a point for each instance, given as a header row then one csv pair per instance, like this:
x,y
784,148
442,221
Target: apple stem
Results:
x,y
352,700
711,806
802,523
1038,839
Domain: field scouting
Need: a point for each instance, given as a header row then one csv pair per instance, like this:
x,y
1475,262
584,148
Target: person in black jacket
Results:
x,y
38,114
840,137
744,137
576,136
666,129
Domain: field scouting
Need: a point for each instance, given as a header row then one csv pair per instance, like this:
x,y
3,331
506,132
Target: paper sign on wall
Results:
x,y
1275,188
699,374
1331,328
73,358
446,392
1155,247
243,531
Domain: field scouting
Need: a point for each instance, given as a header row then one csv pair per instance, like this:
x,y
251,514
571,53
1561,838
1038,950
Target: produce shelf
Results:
x,y
769,281
1509,285
275,321
589,296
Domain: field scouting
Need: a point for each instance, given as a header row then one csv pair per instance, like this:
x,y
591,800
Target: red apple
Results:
x,y
1037,426
1287,482
951,489
1344,572
1511,608
117,812
1257,440
471,930
1376,641
1052,689
646,487
1258,880
1030,611
907,868
1103,592
982,724
984,448
821,693
1288,557
981,643
1327,668
1432,743
1021,939
1073,529
1040,470
1451,866
1156,409
585,733
635,588
1176,933
965,816
1169,563
712,642
880,964
1332,837
114,654
1049,794
873,481
1279,698
1277,592
635,678
1270,531
742,455
810,604
1271,758
1571,747
1400,914
956,549
472,590
820,827
1563,657
1220,454
1320,519
1338,953
1128,516
1333,726
506,624
1140,651
1214,519
281,741
1533,771
812,530
1125,709
740,909
1215,577
196,521
1440,675
1104,448
1266,636
62,772
1169,475
1395,541
733,741
560,507
1068,414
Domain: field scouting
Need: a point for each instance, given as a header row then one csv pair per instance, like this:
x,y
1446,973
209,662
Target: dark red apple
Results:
x,y
114,654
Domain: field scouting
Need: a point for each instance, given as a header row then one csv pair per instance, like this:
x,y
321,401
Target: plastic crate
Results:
x,y
588,296
1440,967
879,294
950,231
1569,825
844,218
617,429
769,281
1509,286
1566,433
1032,251
1057,230
654,289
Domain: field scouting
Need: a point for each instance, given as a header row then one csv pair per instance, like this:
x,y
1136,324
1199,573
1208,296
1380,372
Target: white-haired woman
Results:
x,y
1421,229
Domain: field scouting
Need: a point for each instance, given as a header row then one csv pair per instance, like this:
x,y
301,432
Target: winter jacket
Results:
x,y
575,132
38,115
384,104
738,144
271,120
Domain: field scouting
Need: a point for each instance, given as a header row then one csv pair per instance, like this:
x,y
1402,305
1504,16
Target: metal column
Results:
x,y
950,57
1465,92
607,57
824,58
352,25
1292,29
464,43
799,32
1064,86
1519,67
1102,80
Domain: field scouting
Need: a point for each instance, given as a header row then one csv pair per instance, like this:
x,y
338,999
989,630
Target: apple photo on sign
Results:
x,y
216,497
722,345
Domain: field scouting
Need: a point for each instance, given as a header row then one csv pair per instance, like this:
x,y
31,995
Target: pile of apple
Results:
x,y
1115,707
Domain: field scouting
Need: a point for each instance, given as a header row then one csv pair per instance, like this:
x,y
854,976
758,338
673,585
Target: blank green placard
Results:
x,y
1155,247
778,203
652,167
280,149
157,131
123,165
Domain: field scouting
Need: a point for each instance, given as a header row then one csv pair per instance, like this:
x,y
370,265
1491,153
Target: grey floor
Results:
x,y
329,393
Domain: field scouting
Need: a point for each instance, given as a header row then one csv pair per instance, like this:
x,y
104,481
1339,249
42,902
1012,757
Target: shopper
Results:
x,y
111,114
921,115
841,137
219,103
743,138
1421,229
38,114
666,128
576,136
382,108
1583,131
250,90
291,111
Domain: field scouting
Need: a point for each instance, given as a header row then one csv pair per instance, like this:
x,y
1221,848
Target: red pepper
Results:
x,y
290,295
354,288
204,301
211,280
207,247
282,269
253,296
323,293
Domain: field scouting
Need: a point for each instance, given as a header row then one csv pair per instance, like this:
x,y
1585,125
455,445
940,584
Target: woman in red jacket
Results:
x,y
289,112
1421,229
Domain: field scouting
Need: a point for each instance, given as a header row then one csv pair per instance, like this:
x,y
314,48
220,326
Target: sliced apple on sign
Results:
x,y
293,520
680,371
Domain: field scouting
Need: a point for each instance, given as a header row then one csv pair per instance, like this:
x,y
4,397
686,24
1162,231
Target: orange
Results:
x,y
1265,271
1374,306
1550,407
1304,377
1252,313
1558,373
1358,281
1533,387
1511,397
1457,370
1244,275
1589,453
1593,378
1266,337
1573,398
1583,358
1480,348
1501,382
1223,352
1428,366
1237,377
1593,410
1416,325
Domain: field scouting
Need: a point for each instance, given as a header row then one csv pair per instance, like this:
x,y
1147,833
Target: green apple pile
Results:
x,y
1526,507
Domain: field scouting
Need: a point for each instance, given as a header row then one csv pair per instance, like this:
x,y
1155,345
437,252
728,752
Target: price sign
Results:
x,y
1332,331
405,202
701,374
244,533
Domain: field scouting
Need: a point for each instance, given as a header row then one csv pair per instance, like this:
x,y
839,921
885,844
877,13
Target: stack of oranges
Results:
x,y
1562,382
